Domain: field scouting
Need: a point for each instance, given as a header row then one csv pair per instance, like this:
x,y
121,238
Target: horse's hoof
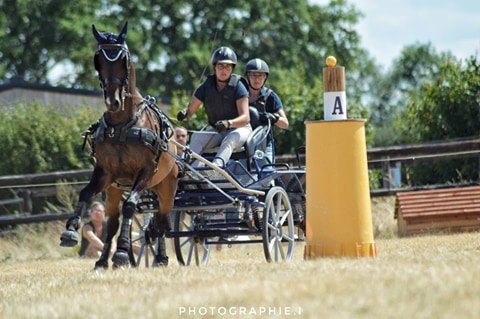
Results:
x,y
161,261
101,265
69,238
120,259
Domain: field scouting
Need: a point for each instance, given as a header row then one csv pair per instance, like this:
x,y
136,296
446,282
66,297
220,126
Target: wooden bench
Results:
x,y
450,209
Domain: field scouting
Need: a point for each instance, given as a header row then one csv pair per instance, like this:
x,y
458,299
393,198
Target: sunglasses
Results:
x,y
222,66
183,135
257,75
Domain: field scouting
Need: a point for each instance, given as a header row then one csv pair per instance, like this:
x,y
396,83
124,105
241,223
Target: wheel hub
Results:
x,y
278,230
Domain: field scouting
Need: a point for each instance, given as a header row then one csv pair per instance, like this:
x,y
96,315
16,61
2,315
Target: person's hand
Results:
x,y
266,117
273,117
222,125
263,118
182,115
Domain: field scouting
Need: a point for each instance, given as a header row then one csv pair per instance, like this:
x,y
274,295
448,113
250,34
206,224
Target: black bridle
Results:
x,y
113,53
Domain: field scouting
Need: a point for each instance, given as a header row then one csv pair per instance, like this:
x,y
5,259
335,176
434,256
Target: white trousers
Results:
x,y
227,141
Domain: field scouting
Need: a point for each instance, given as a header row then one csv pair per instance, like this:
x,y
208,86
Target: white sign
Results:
x,y
334,106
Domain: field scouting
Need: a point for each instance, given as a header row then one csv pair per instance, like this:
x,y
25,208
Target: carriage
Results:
x,y
248,200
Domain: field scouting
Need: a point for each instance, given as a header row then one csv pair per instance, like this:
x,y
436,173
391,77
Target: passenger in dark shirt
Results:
x,y
265,100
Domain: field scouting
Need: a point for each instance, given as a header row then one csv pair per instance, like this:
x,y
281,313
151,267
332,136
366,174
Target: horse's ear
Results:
x,y
123,34
98,35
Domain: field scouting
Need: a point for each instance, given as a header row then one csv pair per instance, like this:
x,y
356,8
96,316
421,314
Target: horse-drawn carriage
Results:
x,y
248,200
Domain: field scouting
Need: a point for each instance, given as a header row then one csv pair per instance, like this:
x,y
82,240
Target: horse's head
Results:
x,y
112,62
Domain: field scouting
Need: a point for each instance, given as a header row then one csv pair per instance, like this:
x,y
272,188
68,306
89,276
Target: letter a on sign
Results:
x,y
335,106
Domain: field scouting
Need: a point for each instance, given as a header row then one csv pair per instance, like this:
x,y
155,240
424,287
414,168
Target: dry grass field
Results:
x,y
420,277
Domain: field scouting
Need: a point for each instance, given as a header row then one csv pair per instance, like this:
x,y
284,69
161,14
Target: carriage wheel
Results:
x,y
189,249
142,227
278,227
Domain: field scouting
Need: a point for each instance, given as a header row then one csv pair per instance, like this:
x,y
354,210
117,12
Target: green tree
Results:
x,y
36,35
171,41
446,107
417,64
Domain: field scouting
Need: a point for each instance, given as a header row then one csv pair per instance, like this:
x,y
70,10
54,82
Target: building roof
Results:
x,y
17,82
452,209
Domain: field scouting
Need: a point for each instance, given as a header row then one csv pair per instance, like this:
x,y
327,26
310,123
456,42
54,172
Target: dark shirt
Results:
x,y
221,105
270,103
85,242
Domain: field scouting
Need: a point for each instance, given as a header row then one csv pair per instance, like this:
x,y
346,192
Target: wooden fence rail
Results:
x,y
390,157
13,220
45,184
43,178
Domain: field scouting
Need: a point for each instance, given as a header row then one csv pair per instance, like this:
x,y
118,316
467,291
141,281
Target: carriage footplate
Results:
x,y
218,179
199,179
211,174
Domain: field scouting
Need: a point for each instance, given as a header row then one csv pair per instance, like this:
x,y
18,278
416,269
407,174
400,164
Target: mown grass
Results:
x,y
418,277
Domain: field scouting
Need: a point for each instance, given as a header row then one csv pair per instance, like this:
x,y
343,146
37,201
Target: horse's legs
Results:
x,y
69,238
113,197
161,226
122,255
166,195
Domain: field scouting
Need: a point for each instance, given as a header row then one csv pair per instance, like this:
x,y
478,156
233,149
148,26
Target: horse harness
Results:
x,y
128,133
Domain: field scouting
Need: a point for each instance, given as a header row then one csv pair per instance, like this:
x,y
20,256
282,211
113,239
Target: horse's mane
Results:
x,y
132,80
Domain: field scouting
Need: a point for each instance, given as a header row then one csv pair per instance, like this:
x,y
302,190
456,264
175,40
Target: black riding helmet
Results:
x,y
256,65
224,55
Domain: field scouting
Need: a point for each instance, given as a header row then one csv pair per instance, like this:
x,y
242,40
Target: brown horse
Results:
x,y
131,148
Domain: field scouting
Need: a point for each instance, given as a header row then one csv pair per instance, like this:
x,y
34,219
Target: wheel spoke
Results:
x,y
272,227
288,238
271,213
207,248
196,255
185,224
190,253
278,203
271,244
276,209
183,243
284,217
